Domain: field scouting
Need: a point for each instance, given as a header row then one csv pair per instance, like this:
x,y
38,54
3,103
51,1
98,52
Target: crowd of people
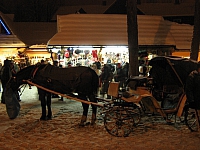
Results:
x,y
111,72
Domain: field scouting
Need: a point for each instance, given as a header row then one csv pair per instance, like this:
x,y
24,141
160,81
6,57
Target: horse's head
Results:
x,y
20,77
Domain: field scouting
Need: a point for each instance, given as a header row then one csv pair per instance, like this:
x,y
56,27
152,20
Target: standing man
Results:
x,y
106,77
119,76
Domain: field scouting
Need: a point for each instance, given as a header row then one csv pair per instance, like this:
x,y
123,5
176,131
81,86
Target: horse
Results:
x,y
81,80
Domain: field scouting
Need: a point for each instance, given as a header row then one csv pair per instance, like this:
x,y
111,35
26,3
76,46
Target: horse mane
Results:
x,y
26,69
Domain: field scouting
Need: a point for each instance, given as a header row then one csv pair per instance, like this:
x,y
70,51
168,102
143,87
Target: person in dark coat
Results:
x,y
192,88
6,74
119,76
106,77
55,63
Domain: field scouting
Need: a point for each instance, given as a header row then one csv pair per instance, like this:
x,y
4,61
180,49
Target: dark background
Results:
x,y
43,10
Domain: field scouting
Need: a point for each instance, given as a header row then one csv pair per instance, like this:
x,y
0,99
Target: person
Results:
x,y
61,98
119,76
1,66
98,71
192,89
69,64
143,68
42,61
6,73
55,63
14,69
106,77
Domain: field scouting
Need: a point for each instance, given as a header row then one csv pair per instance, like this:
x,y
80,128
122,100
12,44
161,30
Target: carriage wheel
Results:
x,y
118,121
191,120
136,115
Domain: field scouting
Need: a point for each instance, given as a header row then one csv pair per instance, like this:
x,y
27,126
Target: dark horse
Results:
x,y
81,80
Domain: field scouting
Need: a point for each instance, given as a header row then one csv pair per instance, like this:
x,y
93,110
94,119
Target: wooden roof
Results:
x,y
182,34
109,30
9,40
35,33
25,34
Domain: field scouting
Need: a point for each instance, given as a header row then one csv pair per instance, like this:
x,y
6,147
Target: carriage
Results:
x,y
162,92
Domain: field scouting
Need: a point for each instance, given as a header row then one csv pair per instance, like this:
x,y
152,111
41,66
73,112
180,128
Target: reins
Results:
x,y
32,75
63,95
22,86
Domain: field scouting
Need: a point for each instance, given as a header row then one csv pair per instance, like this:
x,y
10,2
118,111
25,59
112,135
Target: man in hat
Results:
x,y
192,89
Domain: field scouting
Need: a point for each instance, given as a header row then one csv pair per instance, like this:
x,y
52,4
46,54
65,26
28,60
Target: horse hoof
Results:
x,y
49,117
81,124
43,118
93,123
87,124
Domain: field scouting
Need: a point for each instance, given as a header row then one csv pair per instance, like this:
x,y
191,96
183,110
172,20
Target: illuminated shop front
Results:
x,y
87,55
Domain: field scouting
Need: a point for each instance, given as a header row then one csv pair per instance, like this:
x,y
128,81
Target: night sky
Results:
x,y
43,10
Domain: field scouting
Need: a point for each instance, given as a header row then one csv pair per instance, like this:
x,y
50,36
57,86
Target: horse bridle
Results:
x,y
32,75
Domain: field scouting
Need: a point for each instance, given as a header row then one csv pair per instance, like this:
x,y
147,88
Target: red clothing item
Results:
x,y
94,54
67,54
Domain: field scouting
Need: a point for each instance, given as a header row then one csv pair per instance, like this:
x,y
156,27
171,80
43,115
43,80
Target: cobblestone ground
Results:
x,y
63,132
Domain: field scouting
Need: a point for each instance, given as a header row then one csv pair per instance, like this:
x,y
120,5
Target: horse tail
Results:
x,y
95,81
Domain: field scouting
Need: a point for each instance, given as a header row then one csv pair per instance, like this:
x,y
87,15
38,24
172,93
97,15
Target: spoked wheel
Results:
x,y
136,115
119,121
191,120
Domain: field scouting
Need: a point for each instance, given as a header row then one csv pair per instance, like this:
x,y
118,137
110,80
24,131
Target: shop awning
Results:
x,y
109,30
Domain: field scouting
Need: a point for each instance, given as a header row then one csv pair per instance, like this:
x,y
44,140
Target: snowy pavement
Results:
x,y
27,132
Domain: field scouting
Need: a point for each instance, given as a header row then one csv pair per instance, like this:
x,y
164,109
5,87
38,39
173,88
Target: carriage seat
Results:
x,y
135,96
113,91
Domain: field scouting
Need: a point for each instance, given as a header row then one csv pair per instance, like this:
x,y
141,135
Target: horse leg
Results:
x,y
49,115
94,108
42,95
85,109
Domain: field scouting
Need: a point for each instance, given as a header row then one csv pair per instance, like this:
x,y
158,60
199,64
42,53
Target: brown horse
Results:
x,y
81,80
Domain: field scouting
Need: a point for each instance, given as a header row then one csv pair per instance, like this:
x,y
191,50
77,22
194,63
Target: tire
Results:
x,y
119,122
